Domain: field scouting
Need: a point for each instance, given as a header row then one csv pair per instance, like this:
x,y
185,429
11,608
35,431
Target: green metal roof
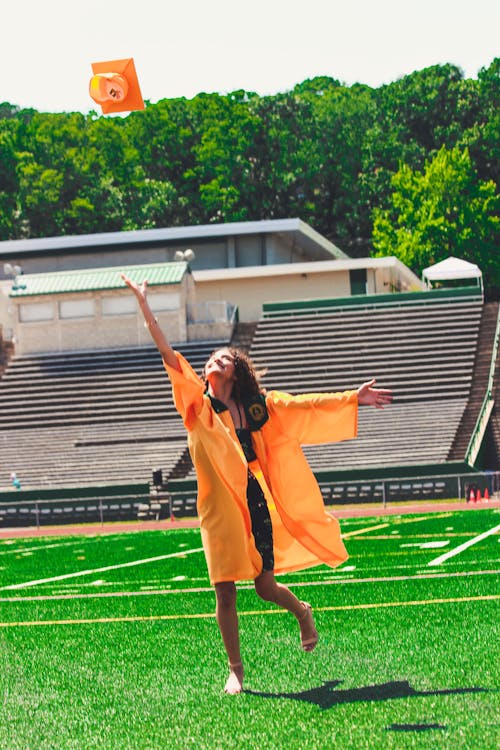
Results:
x,y
97,279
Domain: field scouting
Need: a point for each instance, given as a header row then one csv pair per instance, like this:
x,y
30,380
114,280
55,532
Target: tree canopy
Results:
x,y
409,169
442,210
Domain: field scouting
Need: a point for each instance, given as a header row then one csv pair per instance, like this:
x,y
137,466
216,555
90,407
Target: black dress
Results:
x,y
262,529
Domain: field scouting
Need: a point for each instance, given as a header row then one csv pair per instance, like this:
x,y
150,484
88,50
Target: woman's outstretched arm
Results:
x,y
161,341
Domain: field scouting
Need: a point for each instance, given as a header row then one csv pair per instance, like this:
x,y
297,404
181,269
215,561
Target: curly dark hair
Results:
x,y
247,383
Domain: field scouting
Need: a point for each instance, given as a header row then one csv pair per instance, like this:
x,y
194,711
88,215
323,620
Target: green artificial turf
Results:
x,y
130,657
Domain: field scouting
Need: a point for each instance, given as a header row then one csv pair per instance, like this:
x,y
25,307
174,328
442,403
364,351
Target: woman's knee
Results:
x,y
266,588
226,594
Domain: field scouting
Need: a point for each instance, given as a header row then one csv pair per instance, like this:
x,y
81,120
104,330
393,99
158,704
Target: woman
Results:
x,y
261,511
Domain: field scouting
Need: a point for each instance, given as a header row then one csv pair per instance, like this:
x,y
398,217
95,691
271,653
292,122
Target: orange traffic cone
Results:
x,y
472,497
486,495
478,496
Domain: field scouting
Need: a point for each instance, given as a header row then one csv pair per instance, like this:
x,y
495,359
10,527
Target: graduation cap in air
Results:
x,y
115,86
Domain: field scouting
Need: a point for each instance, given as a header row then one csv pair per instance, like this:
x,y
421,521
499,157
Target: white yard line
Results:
x,y
465,545
131,564
248,586
42,547
365,530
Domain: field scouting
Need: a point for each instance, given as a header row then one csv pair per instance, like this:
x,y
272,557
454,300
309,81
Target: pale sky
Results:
x,y
184,47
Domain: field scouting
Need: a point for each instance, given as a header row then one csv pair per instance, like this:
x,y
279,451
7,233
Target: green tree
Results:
x,y
40,195
8,179
164,136
227,129
442,210
341,117
324,152
282,158
481,136
413,118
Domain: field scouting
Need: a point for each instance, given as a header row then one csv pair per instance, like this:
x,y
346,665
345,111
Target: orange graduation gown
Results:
x,y
304,535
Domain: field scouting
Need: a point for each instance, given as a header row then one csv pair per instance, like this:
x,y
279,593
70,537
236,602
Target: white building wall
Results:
x,y
100,330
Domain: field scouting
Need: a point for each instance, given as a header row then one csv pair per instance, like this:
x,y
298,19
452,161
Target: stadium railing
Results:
x,y
72,505
417,488
180,499
487,405
309,306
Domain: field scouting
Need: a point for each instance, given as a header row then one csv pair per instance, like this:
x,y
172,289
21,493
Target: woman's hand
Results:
x,y
139,291
370,396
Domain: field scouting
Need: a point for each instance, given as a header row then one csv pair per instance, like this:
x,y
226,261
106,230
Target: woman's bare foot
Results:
x,y
234,684
308,633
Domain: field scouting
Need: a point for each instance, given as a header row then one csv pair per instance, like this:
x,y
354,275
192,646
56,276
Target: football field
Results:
x,y
109,641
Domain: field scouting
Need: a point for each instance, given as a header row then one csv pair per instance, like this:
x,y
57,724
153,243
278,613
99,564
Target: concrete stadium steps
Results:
x,y
87,411
420,307
79,388
407,389
481,374
194,350
424,352
365,322
109,363
86,418
421,351
70,456
401,434
494,428
363,337
107,416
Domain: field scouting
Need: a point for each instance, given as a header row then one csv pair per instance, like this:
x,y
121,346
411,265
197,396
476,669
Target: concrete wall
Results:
x,y
7,311
249,292
100,330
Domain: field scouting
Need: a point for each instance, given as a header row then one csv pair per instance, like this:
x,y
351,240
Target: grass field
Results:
x,y
110,642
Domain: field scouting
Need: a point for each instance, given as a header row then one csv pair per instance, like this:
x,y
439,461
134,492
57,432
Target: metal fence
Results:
x,y
182,503
39,513
483,486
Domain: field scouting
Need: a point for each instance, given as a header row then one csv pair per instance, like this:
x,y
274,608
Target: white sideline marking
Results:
x,y
26,584
465,545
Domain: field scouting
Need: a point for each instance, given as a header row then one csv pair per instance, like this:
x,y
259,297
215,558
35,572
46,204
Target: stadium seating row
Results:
x,y
422,352
86,418
89,417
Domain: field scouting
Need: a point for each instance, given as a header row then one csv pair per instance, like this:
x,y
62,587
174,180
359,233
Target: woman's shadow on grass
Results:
x,y
327,695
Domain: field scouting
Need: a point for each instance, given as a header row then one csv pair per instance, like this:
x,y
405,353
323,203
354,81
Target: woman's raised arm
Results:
x,y
151,322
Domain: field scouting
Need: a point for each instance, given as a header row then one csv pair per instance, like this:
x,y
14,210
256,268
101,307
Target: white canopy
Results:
x,y
452,268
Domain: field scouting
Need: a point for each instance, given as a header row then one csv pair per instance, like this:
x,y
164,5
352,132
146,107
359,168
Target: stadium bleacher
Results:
x,y
424,352
84,418
95,417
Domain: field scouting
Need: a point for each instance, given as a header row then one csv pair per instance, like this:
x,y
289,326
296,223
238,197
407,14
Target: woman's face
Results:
x,y
220,365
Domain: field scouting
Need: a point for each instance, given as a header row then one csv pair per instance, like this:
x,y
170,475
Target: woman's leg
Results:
x,y
270,590
227,619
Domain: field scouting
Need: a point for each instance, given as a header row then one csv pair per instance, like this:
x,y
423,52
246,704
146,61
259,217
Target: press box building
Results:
x,y
65,293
